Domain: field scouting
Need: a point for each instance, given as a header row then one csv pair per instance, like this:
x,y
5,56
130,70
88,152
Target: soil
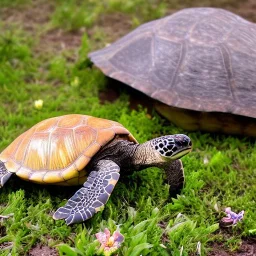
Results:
x,y
29,17
114,26
33,18
246,9
2,230
5,246
58,40
112,93
43,250
247,248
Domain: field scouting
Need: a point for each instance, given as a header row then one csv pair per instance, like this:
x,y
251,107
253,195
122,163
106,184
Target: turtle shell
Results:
x,y
201,59
56,150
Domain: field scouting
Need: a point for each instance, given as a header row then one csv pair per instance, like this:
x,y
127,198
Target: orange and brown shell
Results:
x,y
56,150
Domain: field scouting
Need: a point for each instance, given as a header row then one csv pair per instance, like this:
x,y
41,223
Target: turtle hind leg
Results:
x,y
92,196
4,174
175,177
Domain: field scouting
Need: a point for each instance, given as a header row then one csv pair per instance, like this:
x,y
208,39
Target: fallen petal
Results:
x,y
232,218
118,237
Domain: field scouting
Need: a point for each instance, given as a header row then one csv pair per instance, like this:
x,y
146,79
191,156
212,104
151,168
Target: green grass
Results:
x,y
14,3
220,171
73,15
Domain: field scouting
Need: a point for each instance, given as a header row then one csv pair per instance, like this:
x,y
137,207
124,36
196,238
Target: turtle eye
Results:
x,y
182,140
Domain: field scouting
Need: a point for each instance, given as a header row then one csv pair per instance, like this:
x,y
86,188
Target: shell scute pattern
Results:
x,y
67,174
104,136
46,125
25,173
98,123
56,150
71,123
19,153
201,59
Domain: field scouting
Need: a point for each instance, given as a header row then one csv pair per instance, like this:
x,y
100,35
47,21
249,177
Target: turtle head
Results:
x,y
172,147
164,152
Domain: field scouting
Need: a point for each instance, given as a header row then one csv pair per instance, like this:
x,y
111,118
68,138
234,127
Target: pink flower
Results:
x,y
232,218
109,244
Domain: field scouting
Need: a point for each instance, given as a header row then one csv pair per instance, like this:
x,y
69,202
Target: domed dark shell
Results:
x,y
201,59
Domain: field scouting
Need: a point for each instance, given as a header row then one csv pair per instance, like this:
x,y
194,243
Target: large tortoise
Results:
x,y
198,63
79,149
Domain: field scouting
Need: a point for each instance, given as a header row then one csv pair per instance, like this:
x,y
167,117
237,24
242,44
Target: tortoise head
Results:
x,y
172,147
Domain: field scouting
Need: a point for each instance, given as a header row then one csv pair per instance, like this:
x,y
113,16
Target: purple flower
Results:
x,y
109,244
232,218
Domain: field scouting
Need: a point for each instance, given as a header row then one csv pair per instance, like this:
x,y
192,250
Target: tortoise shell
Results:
x,y
201,59
56,150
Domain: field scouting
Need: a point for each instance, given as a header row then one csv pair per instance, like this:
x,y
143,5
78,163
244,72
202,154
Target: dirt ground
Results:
x,y
247,248
42,250
113,25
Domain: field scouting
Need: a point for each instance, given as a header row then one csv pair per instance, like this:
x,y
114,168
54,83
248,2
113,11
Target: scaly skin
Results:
x,y
158,152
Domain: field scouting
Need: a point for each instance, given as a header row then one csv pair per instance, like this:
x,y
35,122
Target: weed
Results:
x,y
14,3
73,15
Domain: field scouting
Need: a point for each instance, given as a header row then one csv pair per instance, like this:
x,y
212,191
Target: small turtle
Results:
x,y
198,63
79,149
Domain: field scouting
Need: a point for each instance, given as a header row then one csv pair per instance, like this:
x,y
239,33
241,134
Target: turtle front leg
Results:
x,y
4,174
92,196
175,177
